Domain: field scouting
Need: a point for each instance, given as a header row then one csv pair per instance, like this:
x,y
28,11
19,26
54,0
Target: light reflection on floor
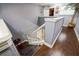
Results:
x,y
57,53
62,37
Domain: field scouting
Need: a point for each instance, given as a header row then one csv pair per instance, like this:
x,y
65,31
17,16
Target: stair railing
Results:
x,y
37,37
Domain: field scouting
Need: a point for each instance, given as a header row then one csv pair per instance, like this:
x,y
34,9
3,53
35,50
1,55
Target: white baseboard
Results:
x,y
50,46
64,25
76,34
47,44
22,42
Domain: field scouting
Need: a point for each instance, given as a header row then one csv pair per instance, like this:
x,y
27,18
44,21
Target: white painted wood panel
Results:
x,y
52,29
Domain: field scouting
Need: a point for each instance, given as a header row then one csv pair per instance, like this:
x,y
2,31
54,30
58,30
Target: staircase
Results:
x,y
37,36
47,33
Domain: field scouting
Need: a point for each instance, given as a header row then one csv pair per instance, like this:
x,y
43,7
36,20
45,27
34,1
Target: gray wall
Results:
x,y
19,14
0,11
67,19
19,11
77,24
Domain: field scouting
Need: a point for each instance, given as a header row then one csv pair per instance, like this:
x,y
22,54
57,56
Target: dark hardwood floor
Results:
x,y
66,45
25,49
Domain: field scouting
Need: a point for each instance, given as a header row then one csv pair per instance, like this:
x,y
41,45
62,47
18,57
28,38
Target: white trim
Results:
x,y
65,26
54,19
76,34
39,28
22,42
47,44
50,46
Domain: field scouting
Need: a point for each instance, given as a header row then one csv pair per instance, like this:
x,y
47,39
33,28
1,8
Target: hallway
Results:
x,y
66,45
